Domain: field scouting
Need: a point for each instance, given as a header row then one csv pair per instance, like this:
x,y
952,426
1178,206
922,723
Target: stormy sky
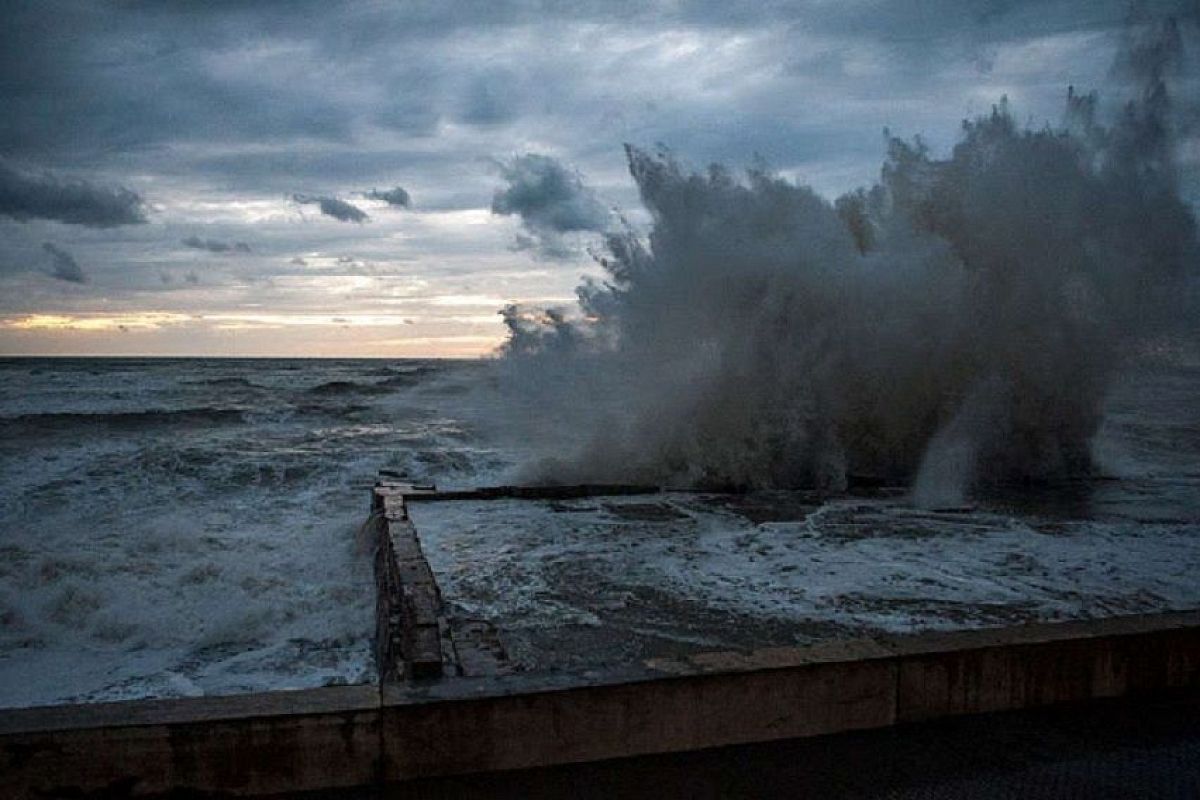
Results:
x,y
379,179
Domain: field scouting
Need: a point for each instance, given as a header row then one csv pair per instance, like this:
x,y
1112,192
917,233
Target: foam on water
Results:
x,y
176,527
579,583
220,556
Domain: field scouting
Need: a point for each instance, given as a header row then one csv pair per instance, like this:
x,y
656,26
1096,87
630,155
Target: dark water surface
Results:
x,y
176,527
185,526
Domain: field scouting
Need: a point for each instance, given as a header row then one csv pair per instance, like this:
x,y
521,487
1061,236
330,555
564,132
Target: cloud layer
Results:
x,y
393,197
205,119
64,266
215,245
550,201
75,202
333,207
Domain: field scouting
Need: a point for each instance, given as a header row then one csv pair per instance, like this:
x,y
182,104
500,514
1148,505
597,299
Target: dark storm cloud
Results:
x,y
84,81
915,26
215,245
393,197
550,200
282,168
333,207
492,99
63,265
227,108
77,202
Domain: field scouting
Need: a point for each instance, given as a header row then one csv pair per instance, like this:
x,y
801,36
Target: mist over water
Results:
x,y
952,327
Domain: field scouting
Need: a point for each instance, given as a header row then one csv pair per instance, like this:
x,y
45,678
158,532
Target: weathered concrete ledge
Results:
x,y
547,492
409,623
353,736
718,699
414,638
244,745
426,720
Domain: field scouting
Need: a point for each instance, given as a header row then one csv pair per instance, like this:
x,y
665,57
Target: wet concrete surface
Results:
x,y
593,582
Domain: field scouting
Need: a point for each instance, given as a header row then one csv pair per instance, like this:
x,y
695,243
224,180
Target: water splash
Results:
x,y
951,327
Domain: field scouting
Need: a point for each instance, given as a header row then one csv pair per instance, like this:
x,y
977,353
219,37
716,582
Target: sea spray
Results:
x,y
953,326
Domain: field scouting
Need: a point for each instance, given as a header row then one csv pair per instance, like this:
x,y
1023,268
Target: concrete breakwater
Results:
x,y
446,705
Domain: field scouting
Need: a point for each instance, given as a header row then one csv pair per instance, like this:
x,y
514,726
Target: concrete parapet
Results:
x,y
345,736
1035,665
245,745
437,723
427,737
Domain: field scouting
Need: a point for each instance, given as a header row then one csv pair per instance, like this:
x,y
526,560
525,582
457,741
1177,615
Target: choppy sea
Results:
x,y
175,527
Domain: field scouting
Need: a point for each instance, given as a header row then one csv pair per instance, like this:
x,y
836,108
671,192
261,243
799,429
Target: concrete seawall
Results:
x,y
356,736
429,717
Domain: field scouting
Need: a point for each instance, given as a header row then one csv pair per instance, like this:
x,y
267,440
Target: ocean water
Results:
x,y
580,584
174,527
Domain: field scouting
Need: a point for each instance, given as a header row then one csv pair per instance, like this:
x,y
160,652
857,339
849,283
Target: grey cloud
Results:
x,y
136,76
918,23
215,245
65,267
550,200
128,79
333,207
325,169
77,202
492,99
168,279
393,197
250,102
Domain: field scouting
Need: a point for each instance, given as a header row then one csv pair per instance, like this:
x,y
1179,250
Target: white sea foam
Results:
x,y
221,557
158,554
687,570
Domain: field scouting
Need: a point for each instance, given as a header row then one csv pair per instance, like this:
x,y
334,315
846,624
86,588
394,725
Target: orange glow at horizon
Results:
x,y
93,322
250,335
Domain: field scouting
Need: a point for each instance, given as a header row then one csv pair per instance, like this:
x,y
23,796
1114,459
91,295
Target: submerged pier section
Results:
x,y
449,701
415,638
